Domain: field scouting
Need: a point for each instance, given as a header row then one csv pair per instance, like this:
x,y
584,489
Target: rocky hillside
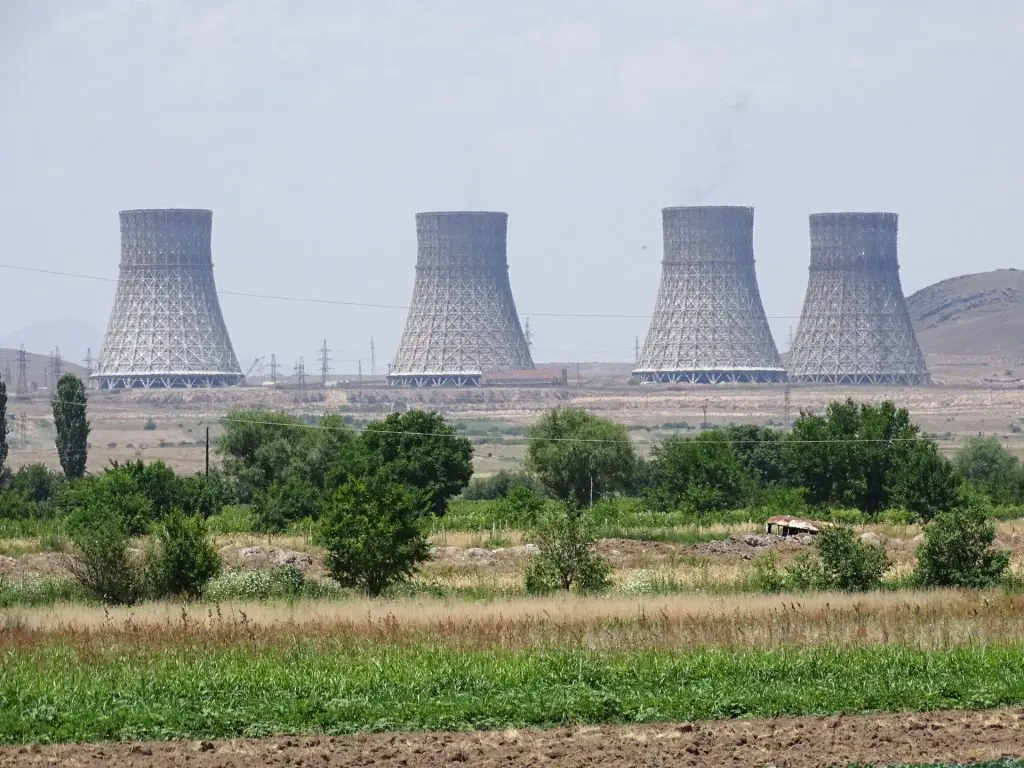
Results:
x,y
980,315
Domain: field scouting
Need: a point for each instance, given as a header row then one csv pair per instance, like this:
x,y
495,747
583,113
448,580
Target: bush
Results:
x,y
101,562
566,559
849,564
956,551
183,559
231,519
285,582
805,574
372,535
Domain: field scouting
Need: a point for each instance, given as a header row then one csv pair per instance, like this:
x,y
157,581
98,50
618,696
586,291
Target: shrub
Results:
x,y
285,582
149,425
101,562
566,559
767,576
956,551
805,573
231,519
372,535
849,564
183,559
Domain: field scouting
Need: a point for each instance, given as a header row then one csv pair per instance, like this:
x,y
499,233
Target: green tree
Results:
x,y
372,535
36,483
957,549
183,559
759,450
258,448
566,558
922,480
114,492
849,564
985,463
702,473
69,417
580,457
422,451
100,561
860,455
3,431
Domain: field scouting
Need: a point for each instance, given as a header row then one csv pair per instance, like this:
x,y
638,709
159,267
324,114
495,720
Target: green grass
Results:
x,y
57,693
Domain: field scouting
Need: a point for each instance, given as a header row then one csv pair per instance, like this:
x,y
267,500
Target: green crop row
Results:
x,y
62,693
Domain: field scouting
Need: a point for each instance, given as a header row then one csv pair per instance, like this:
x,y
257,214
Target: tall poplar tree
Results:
x,y
72,426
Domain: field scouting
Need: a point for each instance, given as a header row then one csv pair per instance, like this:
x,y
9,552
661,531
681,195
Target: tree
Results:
x,y
992,469
114,492
580,457
860,456
759,450
956,551
566,558
69,417
849,564
372,535
422,451
923,481
100,561
3,430
183,559
702,473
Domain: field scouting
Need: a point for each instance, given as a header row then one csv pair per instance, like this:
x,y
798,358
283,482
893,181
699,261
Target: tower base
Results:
x,y
448,380
768,376
167,380
864,379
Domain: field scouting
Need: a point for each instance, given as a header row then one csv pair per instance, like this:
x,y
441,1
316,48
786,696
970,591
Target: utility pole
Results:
x,y
360,372
373,358
579,377
785,407
207,451
21,389
88,362
704,424
325,364
636,350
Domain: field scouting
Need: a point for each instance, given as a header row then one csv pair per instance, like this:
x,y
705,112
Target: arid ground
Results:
x,y
950,737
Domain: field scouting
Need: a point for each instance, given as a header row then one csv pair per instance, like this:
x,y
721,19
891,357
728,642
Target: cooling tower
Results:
x,y
462,320
855,327
166,328
709,325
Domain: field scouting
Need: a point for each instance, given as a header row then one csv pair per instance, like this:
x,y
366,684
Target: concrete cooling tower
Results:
x,y
709,325
166,328
462,321
855,327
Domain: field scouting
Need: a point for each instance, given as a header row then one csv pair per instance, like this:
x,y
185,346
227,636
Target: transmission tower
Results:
x,y
273,369
528,335
21,388
166,328
462,320
373,358
300,374
855,326
325,364
88,362
709,325
56,365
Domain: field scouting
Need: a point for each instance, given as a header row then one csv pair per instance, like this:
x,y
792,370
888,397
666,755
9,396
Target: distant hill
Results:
x,y
74,337
37,370
972,315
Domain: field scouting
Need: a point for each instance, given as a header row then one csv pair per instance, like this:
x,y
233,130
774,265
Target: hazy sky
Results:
x,y
316,129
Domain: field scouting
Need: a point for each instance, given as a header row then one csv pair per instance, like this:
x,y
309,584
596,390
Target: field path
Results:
x,y
952,737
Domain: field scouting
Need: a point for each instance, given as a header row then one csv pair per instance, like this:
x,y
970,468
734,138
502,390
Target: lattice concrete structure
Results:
x,y
855,327
166,328
709,326
462,320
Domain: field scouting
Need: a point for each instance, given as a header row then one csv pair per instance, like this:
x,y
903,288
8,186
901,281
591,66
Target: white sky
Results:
x,y
316,129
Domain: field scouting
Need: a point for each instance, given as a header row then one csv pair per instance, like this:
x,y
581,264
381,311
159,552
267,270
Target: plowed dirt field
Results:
x,y
954,737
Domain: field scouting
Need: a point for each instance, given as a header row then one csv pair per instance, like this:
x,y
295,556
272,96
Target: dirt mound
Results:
x,y
259,557
50,564
954,737
979,314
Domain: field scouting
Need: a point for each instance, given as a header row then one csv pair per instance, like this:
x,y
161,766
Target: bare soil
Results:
x,y
885,739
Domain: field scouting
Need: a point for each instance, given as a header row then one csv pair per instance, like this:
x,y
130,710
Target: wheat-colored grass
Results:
x,y
921,619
